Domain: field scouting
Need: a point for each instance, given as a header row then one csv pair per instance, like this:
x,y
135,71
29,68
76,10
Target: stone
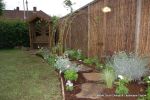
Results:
x,y
91,91
95,77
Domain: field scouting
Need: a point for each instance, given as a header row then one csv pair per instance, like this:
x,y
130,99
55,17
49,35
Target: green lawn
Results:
x,y
27,77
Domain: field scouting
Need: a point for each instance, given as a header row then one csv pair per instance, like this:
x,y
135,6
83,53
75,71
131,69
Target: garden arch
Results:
x,y
39,31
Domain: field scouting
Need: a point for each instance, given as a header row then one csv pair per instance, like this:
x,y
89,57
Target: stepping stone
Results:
x,y
90,91
83,68
95,77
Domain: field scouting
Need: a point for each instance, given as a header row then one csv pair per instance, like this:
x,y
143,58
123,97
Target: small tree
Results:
x,y
69,4
2,6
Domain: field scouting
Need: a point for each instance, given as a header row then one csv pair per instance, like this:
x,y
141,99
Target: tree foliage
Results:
x,y
2,6
68,4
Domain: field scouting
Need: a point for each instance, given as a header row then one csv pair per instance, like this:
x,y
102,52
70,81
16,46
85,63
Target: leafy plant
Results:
x,y
109,76
141,98
128,65
121,88
148,93
51,59
89,61
147,80
69,88
99,66
75,54
70,75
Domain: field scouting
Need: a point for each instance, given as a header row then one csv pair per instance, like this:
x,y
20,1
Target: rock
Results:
x,y
90,91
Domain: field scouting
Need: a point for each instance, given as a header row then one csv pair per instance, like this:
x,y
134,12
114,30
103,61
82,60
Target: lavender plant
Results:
x,y
64,64
129,65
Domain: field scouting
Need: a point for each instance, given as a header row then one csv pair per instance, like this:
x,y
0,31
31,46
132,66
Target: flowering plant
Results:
x,y
69,86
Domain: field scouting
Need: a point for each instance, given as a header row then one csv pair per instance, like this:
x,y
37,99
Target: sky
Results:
x,y
51,7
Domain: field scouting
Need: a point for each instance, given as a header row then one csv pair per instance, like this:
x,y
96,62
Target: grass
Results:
x,y
27,77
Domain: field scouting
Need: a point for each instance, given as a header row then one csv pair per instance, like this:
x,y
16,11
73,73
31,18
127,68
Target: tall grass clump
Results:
x,y
109,76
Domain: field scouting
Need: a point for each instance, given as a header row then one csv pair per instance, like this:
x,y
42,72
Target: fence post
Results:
x,y
88,51
138,22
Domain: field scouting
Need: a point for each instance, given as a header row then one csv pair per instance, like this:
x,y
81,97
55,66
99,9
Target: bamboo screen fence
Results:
x,y
126,27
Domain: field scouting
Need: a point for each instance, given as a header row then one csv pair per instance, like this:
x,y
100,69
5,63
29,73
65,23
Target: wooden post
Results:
x,y
88,51
138,22
50,36
30,35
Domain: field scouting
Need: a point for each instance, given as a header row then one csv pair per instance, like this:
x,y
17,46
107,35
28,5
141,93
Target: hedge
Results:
x,y
13,33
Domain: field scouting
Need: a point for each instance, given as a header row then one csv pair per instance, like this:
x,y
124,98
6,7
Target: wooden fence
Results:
x,y
126,27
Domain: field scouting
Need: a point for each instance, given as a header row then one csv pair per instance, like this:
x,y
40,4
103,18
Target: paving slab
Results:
x,y
91,91
93,76
83,68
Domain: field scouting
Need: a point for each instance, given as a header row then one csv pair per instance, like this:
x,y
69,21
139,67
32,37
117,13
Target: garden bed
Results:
x,y
94,77
135,90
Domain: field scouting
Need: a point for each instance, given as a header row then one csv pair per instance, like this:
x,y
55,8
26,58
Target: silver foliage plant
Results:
x,y
129,65
64,64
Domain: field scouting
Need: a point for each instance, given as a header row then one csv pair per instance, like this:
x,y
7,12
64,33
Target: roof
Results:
x,y
40,15
19,14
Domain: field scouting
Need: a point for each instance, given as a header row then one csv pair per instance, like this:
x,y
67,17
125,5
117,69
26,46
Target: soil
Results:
x,y
135,90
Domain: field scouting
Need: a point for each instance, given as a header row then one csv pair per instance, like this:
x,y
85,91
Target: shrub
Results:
x,y
13,33
70,75
109,76
129,65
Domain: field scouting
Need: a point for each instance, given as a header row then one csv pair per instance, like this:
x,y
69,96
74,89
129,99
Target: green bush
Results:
x,y
70,75
13,33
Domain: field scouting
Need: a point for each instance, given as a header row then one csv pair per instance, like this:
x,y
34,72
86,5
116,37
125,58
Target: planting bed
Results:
x,y
90,83
135,90
101,92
